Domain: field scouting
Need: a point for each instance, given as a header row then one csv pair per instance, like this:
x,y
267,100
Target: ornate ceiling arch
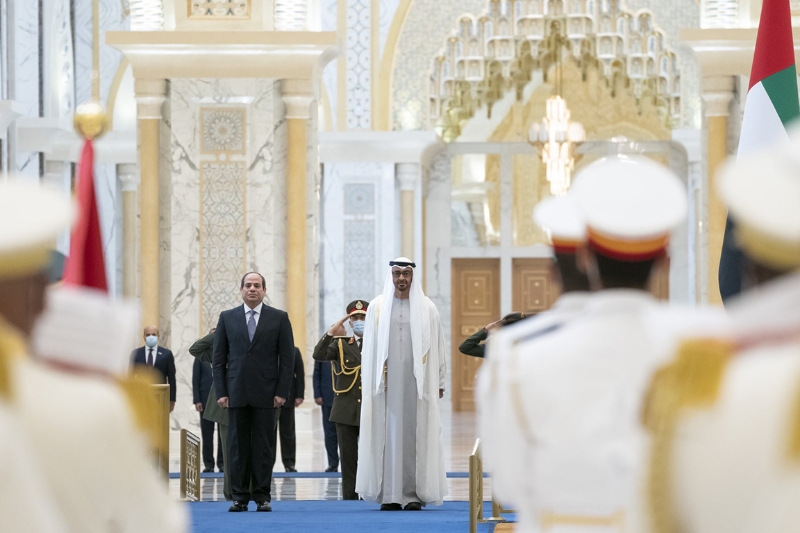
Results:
x,y
497,51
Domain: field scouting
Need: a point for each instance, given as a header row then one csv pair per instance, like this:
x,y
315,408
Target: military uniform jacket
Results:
x,y
346,376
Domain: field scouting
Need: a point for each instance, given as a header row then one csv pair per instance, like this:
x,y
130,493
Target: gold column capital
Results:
x,y
298,95
128,175
150,94
717,93
407,176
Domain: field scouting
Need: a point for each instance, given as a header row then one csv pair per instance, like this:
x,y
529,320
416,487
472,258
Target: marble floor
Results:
x,y
459,438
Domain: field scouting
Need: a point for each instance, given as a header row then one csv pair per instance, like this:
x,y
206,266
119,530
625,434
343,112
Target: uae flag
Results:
x,y
772,103
85,266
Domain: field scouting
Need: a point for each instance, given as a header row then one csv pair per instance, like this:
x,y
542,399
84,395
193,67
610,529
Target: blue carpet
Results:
x,y
332,517
310,475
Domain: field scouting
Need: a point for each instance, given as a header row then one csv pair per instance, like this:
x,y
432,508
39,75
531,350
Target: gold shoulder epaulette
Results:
x,y
693,379
138,390
11,345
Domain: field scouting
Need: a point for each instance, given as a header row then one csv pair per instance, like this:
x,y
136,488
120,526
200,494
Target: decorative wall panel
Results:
x,y
219,9
359,273
359,76
222,237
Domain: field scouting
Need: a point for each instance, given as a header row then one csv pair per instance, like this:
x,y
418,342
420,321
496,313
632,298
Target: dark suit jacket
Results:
x,y
201,381
298,389
322,382
253,373
165,364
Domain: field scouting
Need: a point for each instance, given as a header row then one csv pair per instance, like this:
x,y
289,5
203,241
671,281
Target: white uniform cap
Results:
x,y
762,191
560,218
630,206
31,218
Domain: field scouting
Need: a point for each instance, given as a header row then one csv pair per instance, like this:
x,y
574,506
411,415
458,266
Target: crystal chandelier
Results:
x,y
556,137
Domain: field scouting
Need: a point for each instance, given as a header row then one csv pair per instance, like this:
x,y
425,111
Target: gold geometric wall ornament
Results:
x,y
222,130
223,207
499,51
219,9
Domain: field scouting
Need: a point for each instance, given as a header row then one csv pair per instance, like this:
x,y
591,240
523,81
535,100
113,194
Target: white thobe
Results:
x,y
400,455
400,451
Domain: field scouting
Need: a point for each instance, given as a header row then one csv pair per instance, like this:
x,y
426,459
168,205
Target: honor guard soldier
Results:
x,y
724,414
345,354
576,393
31,219
85,420
559,217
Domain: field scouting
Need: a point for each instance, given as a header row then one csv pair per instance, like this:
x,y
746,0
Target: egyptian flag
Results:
x,y
85,266
772,103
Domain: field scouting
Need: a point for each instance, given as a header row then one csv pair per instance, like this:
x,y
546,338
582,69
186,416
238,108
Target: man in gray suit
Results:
x,y
253,367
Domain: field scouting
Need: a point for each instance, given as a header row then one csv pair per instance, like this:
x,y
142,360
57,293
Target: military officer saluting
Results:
x,y
345,353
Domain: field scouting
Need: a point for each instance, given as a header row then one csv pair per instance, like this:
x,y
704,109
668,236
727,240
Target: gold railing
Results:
x,y
161,393
476,493
190,466
475,488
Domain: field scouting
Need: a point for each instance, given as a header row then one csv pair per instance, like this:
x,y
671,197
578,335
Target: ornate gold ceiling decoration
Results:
x,y
500,50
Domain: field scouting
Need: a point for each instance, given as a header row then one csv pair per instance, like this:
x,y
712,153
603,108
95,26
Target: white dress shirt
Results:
x,y
257,315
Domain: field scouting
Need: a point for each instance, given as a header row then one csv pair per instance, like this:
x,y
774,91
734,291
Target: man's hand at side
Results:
x,y
278,401
318,401
199,406
297,402
223,402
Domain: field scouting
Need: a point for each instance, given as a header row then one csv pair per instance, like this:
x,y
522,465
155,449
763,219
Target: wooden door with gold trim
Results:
x,y
532,285
475,303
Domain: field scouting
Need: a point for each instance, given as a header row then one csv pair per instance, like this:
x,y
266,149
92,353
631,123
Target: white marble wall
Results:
x,y
437,243
255,171
23,72
384,247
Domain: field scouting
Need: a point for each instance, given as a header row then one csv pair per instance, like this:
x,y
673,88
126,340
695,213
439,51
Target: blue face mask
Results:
x,y
151,341
358,327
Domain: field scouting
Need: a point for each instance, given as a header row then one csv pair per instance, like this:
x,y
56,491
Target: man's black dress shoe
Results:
x,y
238,507
332,469
207,470
391,507
291,469
413,506
264,507
221,469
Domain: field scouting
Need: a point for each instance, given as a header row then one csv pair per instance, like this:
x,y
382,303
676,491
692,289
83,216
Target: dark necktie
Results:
x,y
150,357
251,325
359,343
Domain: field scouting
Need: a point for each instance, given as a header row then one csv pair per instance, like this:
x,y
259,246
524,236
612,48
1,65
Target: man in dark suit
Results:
x,y
323,396
201,388
157,357
253,367
286,420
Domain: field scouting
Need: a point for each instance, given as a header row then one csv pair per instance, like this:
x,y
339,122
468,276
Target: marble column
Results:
x,y
129,179
150,96
408,178
57,176
297,95
717,95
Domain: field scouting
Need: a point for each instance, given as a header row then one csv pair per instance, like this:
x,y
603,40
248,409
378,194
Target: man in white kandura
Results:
x,y
400,453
